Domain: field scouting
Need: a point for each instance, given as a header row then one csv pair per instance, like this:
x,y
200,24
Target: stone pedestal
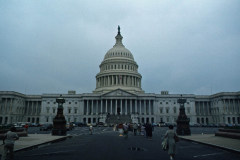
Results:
x,y
59,122
182,121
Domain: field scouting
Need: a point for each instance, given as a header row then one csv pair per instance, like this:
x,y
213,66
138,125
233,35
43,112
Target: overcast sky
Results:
x,y
186,47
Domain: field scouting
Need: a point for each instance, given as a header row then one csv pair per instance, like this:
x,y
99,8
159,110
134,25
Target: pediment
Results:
x,y
118,92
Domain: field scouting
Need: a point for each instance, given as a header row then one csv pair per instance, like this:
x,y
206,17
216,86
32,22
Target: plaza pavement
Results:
x,y
40,140
34,141
215,141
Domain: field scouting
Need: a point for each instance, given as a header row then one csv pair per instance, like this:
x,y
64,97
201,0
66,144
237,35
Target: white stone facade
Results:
x,y
221,108
118,92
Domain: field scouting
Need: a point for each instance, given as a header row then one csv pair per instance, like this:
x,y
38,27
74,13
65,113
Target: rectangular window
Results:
x,y
69,110
167,110
161,110
75,102
54,110
75,111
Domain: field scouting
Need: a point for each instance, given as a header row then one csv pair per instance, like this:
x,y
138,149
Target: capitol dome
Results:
x,y
118,70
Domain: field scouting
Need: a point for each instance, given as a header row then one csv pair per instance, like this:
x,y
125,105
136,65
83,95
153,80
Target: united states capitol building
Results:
x,y
119,96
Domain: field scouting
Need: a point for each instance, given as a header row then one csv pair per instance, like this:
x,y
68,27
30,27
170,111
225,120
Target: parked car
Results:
x,y
46,127
80,124
155,124
69,126
100,124
35,125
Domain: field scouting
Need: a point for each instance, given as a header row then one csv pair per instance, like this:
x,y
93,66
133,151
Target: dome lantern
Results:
x,y
119,38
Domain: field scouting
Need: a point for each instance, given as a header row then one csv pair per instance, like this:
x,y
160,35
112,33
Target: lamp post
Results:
x,y
59,122
182,121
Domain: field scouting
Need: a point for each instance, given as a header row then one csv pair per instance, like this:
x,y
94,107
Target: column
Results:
x,y
125,106
87,108
101,106
150,107
140,109
228,106
235,108
204,109
32,109
11,105
112,80
106,107
145,107
108,80
97,107
121,107
116,107
92,108
130,106
111,112
5,109
135,106
26,109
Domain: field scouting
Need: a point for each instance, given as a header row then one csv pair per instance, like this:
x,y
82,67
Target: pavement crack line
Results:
x,y
205,155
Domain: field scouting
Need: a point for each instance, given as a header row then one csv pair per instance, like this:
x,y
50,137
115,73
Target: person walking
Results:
x,y
149,131
26,127
142,130
125,130
8,141
171,136
135,128
91,129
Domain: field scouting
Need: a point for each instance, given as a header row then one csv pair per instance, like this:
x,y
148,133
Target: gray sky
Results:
x,y
180,46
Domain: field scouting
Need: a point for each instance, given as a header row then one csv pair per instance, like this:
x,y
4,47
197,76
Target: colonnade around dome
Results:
x,y
118,80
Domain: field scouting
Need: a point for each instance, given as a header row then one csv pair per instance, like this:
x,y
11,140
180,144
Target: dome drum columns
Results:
x,y
121,80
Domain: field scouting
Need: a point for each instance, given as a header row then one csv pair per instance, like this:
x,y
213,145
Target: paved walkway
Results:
x,y
34,141
37,140
215,141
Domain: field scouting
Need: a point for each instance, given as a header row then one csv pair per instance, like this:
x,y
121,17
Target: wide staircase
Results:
x,y
117,119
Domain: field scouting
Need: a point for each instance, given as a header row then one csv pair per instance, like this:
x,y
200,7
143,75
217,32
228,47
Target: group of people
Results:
x,y
169,140
137,129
